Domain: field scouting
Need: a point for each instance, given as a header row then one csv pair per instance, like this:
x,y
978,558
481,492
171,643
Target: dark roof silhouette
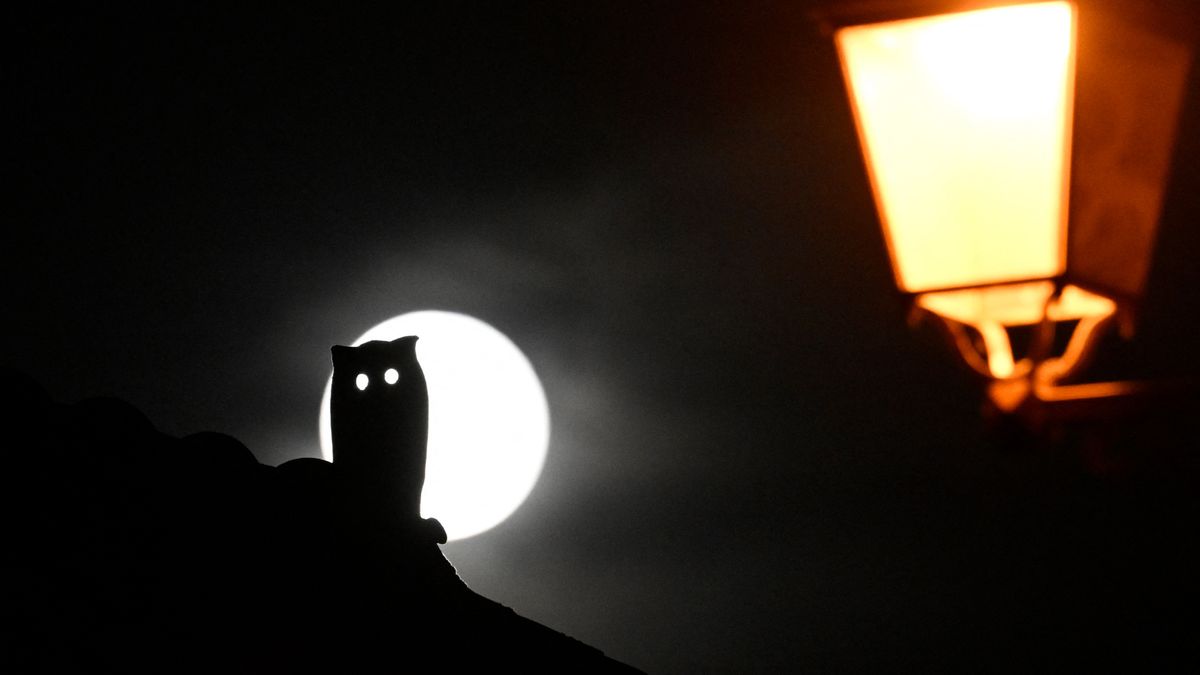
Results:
x,y
130,550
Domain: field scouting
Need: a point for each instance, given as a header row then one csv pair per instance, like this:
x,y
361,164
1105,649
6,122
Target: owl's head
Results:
x,y
377,365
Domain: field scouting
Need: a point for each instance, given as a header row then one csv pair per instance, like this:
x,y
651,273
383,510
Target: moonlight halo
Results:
x,y
489,424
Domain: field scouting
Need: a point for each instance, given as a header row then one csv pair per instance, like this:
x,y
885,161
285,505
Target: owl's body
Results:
x,y
380,429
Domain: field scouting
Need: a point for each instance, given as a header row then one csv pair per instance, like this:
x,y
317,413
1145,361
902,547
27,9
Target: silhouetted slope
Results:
x,y
130,550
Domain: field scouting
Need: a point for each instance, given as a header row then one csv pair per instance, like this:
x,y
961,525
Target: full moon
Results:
x,y
489,424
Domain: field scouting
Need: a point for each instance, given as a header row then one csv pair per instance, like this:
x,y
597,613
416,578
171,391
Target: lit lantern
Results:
x,y
1018,155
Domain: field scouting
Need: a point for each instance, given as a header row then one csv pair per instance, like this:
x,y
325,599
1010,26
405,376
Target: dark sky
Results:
x,y
755,464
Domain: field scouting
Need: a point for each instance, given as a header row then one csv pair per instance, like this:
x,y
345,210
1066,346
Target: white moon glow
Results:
x,y
489,424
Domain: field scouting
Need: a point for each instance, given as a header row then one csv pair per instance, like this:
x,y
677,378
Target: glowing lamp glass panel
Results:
x,y
965,123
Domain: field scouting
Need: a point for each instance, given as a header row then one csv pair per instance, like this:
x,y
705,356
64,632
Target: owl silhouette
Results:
x,y
379,414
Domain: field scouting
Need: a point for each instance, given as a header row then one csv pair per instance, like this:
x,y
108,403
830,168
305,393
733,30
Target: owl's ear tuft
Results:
x,y
340,354
406,345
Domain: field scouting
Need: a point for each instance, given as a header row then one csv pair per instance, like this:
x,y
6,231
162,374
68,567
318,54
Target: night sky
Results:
x,y
755,464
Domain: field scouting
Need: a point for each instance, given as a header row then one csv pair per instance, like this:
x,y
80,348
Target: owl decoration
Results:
x,y
379,414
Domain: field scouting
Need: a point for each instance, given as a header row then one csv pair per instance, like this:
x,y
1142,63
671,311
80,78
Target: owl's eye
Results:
x,y
391,376
362,381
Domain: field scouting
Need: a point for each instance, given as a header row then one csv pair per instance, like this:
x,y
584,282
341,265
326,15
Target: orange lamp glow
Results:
x,y
1018,156
965,121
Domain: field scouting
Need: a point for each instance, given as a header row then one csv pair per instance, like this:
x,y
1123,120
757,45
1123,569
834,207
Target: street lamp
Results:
x,y
1018,154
